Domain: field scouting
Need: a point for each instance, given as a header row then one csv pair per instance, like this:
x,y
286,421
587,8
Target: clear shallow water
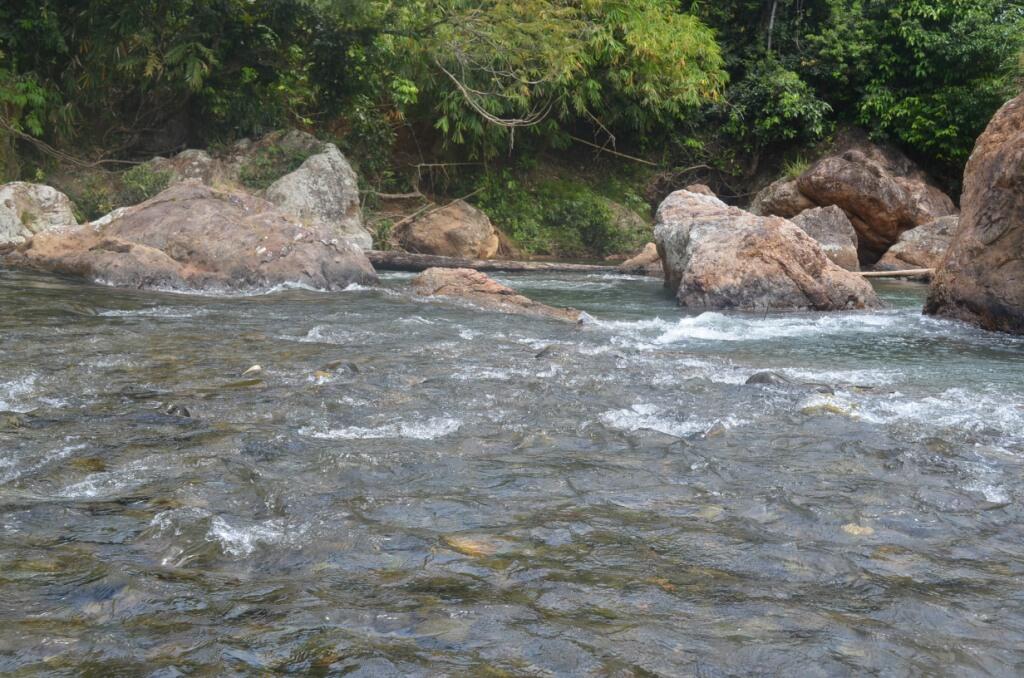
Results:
x,y
408,489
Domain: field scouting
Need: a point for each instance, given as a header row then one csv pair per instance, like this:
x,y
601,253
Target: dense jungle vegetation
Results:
x,y
741,90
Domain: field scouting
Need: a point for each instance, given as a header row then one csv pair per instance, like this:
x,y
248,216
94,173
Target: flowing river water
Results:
x,y
419,488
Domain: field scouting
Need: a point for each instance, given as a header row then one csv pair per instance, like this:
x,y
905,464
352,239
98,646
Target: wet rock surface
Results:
x,y
484,291
193,237
648,262
720,257
981,279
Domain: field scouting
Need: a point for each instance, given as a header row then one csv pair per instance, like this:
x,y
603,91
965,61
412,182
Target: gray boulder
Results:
x,y
324,190
781,199
921,247
27,209
834,232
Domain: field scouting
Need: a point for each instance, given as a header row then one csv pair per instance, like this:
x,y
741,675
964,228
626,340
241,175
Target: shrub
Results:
x,y
141,183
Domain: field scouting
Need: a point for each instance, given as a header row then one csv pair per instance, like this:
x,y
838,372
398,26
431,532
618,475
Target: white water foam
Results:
x,y
14,394
242,540
155,312
645,416
13,472
426,430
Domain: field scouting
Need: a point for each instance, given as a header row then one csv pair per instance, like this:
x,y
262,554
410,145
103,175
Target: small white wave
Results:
x,y
713,326
14,394
13,472
483,373
427,430
645,416
242,540
155,312
956,409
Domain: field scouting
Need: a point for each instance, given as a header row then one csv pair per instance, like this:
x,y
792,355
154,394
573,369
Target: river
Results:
x,y
414,487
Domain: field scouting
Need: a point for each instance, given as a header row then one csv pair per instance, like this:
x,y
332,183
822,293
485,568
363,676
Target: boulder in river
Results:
x,y
193,237
981,279
481,290
721,257
27,209
880,189
455,230
324,190
920,247
648,262
834,232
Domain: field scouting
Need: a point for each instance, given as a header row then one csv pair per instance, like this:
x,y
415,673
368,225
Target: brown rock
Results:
x,y
834,232
720,257
920,247
781,199
881,191
703,189
474,286
981,279
193,237
648,262
455,230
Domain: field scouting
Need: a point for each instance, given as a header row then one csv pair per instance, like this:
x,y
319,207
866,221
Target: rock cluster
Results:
x,y
193,237
881,191
921,247
981,278
721,257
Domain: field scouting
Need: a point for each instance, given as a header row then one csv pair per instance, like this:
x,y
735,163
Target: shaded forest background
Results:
x,y
480,96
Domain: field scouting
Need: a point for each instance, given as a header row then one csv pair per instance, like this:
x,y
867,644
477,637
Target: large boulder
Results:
x,y
455,230
721,257
648,262
27,209
834,232
192,237
881,191
483,291
981,279
781,199
192,163
324,190
920,247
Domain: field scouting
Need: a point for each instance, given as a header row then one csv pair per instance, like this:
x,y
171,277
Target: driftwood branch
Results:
x,y
407,261
908,273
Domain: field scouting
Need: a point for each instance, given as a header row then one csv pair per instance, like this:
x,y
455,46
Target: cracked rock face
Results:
x,y
721,257
192,237
981,278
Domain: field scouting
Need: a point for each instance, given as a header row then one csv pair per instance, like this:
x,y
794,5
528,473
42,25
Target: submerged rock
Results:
x,y
455,230
193,237
920,247
834,232
27,209
776,379
720,257
981,279
648,262
474,286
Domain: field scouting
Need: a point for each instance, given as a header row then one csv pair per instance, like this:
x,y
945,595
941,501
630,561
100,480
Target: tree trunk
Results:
x,y
406,261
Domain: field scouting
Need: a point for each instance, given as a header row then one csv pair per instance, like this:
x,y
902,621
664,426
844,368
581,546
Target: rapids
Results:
x,y
414,487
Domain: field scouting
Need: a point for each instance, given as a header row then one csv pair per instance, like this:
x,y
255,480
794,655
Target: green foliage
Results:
x,y
141,183
773,105
270,163
795,167
554,217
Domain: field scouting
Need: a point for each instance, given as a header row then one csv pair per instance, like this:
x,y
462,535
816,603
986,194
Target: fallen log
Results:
x,y
407,261
909,273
